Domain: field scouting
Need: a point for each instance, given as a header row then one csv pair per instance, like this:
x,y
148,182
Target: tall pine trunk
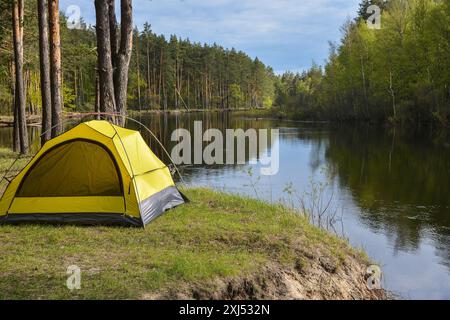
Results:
x,y
114,54
16,139
138,72
123,56
55,67
149,81
105,67
20,123
44,52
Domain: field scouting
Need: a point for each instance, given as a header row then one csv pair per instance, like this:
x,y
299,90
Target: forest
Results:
x,y
163,73
398,73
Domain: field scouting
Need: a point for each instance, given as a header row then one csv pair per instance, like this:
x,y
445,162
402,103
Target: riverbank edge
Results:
x,y
257,113
218,246
8,120
280,114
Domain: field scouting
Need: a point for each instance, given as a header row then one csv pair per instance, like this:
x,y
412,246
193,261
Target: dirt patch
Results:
x,y
316,278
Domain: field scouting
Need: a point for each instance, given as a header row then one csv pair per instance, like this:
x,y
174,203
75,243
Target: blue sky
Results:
x,y
285,34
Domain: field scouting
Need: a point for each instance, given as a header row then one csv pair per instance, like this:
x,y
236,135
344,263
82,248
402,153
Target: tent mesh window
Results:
x,y
76,168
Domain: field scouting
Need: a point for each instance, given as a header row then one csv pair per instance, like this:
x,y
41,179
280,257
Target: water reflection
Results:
x,y
163,125
400,181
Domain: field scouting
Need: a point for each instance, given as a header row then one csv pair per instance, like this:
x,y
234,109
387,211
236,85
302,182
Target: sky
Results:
x,y
284,34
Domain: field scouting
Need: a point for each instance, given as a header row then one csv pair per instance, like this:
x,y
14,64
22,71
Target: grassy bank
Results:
x,y
217,246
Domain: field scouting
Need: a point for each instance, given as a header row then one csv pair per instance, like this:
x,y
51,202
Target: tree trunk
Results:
x,y
20,107
149,87
16,133
138,73
363,76
188,92
154,73
75,87
26,86
55,67
113,54
161,57
81,87
105,67
114,31
45,71
16,137
97,95
123,56
392,92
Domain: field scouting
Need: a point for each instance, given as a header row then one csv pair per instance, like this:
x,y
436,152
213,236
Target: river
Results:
x,y
389,188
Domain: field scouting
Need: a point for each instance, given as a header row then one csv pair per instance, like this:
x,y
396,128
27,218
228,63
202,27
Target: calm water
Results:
x,y
391,188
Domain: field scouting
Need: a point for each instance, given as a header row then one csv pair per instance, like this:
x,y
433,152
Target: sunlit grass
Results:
x,y
216,235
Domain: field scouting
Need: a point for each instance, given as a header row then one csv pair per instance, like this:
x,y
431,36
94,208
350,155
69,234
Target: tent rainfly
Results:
x,y
95,173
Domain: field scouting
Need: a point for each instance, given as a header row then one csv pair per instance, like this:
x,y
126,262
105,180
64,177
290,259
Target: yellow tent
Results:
x,y
95,173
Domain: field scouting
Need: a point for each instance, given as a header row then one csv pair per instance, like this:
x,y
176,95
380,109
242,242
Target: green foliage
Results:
x,y
69,98
6,62
236,94
176,73
297,93
400,72
365,4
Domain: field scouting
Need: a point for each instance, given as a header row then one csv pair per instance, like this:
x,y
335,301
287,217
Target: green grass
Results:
x,y
215,236
10,166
